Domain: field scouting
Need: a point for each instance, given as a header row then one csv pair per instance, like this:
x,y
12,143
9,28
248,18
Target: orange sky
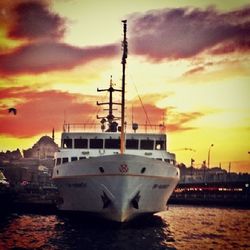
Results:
x,y
188,60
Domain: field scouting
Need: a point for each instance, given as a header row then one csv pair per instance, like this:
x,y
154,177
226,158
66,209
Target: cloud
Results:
x,y
194,70
41,50
39,112
231,47
49,56
186,32
34,20
179,121
154,116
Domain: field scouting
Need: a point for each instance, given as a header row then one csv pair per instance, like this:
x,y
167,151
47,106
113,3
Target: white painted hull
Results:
x,y
116,194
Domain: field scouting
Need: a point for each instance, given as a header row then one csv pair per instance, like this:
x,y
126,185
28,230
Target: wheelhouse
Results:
x,y
85,145
112,141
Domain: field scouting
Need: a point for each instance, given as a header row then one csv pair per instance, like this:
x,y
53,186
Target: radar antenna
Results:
x,y
110,118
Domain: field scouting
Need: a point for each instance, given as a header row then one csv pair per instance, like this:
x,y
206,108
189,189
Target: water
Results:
x,y
181,227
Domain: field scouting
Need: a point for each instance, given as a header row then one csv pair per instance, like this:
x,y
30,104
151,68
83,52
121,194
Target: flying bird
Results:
x,y
12,110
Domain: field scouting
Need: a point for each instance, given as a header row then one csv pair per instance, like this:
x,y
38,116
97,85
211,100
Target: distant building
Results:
x,y
216,174
208,175
45,148
10,155
36,165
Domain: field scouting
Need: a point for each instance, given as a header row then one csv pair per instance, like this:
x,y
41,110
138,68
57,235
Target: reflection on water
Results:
x,y
27,231
60,232
139,234
209,228
181,227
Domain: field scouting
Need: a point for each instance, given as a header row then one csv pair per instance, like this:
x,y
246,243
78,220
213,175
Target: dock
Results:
x,y
232,194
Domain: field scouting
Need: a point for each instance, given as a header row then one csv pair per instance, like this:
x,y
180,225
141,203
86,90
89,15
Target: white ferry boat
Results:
x,y
112,173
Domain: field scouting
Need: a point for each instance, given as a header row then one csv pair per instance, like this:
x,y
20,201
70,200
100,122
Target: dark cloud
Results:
x,y
34,20
231,47
48,56
185,32
43,52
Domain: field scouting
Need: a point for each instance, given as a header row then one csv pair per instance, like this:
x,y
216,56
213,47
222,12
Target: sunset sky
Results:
x,y
189,60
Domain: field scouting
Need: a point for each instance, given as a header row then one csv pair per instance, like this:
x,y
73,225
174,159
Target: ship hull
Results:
x,y
117,187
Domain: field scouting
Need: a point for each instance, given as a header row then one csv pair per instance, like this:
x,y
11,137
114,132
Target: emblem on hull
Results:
x,y
123,168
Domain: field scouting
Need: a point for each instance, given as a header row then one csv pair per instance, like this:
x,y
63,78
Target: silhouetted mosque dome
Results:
x,y
45,147
45,140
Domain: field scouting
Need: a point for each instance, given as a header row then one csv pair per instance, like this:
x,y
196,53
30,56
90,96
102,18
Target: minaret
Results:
x,y
53,134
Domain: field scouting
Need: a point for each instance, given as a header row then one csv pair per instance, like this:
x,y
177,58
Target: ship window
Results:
x,y
65,159
81,143
96,143
167,160
82,157
132,144
147,144
58,161
159,159
160,145
112,143
73,158
67,143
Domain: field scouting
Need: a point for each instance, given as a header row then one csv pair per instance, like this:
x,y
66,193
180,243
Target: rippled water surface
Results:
x,y
181,227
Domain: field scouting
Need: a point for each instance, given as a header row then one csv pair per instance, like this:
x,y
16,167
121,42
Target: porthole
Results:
x,y
101,169
74,158
143,170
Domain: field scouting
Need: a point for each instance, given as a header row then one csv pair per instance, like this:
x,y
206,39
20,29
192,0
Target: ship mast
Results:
x,y
110,118
124,57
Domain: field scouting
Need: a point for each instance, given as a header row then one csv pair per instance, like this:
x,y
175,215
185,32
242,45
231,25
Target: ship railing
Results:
x,y
129,128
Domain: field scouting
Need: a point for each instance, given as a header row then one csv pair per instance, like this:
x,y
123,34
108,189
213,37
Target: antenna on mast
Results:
x,y
134,125
110,118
